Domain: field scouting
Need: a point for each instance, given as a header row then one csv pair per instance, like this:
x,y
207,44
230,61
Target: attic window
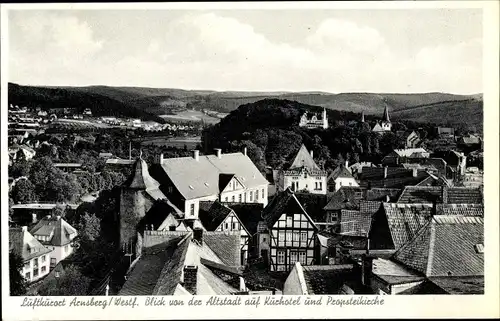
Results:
x,y
191,187
479,248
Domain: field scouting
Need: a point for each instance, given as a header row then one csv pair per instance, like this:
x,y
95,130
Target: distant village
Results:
x,y
213,224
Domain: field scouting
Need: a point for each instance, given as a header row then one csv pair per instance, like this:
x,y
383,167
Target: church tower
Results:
x,y
325,119
134,204
386,122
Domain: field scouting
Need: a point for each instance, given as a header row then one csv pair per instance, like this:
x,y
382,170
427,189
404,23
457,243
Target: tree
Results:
x,y
24,192
70,282
18,283
11,210
89,226
20,169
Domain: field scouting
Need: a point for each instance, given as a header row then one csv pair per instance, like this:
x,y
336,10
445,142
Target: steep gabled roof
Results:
x,y
212,218
62,233
377,128
446,246
405,220
24,244
341,171
249,214
397,177
304,159
283,202
327,279
161,211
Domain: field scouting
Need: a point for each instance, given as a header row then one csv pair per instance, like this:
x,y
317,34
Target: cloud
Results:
x,y
211,51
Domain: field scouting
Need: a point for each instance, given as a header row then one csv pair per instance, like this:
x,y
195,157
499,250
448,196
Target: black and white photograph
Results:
x,y
225,152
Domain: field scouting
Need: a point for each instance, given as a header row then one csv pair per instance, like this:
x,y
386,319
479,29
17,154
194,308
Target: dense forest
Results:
x,y
269,129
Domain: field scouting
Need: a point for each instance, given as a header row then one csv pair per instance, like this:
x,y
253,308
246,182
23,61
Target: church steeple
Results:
x,y
386,115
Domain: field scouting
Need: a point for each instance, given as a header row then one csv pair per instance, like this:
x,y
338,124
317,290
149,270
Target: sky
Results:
x,y
411,50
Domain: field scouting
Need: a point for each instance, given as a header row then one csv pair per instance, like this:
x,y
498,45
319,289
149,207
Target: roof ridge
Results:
x,y
430,256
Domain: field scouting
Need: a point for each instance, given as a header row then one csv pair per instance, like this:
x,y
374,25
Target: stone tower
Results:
x,y
134,203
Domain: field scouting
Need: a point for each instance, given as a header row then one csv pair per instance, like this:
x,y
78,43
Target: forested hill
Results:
x,y
269,129
54,98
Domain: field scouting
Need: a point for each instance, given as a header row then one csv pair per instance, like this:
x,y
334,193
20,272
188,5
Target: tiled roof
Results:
x,y
397,177
304,159
340,171
358,222
460,284
62,233
327,279
355,242
196,178
283,202
405,220
212,218
144,275
446,247
226,245
172,271
347,197
461,209
380,194
24,244
430,194
249,214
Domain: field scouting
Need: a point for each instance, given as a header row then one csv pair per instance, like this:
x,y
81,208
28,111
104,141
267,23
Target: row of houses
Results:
x,y
181,201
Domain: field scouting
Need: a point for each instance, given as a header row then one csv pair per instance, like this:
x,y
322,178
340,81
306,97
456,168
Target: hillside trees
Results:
x,y
17,281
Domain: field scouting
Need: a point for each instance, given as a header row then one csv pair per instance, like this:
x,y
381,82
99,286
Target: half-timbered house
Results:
x,y
291,232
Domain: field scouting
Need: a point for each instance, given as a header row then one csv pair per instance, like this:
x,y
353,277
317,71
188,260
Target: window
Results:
x,y
293,257
288,236
302,258
289,220
35,262
43,269
263,194
57,274
233,226
281,257
192,210
264,240
296,236
320,185
35,272
28,276
43,258
251,196
226,226
27,265
256,195
303,236
233,198
281,237
226,199
240,198
172,228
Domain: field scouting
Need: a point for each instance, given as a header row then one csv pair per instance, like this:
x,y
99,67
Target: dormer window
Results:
x,y
191,187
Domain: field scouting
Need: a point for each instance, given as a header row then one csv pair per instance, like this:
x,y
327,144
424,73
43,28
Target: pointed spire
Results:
x,y
386,115
363,116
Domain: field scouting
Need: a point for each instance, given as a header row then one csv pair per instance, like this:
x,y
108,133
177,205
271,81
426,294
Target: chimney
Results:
x,y
366,269
385,171
196,155
190,278
198,234
24,228
245,151
414,172
312,153
34,219
444,193
346,164
218,152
